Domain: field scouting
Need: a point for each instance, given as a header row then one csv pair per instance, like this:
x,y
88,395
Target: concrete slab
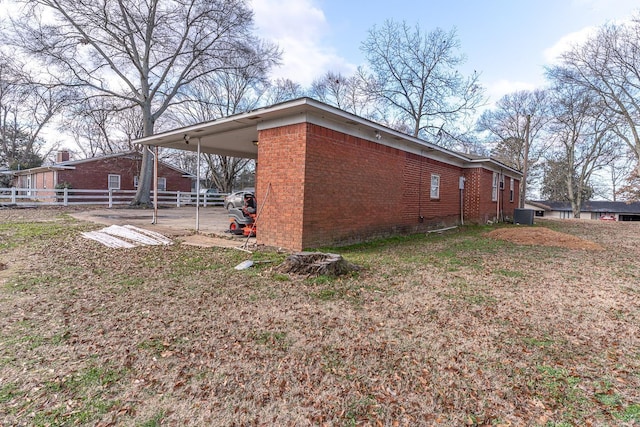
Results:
x,y
176,223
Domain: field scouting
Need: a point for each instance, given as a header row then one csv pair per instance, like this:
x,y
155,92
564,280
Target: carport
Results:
x,y
238,135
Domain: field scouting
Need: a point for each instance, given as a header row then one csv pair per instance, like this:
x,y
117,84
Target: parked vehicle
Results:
x,y
212,196
607,218
209,191
235,199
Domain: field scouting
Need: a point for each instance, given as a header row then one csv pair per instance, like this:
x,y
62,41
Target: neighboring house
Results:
x,y
595,209
326,177
115,171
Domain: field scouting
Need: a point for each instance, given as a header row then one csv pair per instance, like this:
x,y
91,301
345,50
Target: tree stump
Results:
x,y
316,264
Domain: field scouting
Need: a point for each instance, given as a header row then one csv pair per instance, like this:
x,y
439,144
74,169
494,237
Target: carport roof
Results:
x,y
237,135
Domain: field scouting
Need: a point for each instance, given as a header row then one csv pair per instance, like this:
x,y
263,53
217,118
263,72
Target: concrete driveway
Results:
x,y
172,222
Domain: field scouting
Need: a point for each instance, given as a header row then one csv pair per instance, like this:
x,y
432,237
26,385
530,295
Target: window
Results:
x,y
494,188
511,189
114,182
435,186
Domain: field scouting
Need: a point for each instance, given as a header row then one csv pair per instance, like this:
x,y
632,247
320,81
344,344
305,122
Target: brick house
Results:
x,y
590,209
115,171
327,177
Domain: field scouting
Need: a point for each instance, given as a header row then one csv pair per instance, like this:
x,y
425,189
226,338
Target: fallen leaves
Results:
x,y
513,336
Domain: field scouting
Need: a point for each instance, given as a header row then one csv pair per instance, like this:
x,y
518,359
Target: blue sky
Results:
x,y
508,41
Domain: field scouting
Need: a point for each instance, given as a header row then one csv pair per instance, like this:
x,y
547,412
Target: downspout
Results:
x,y
420,217
500,190
461,187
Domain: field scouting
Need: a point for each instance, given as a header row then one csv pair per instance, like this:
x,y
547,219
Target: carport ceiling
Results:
x,y
236,135
225,137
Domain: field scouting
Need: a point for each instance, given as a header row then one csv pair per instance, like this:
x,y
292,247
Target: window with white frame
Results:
x,y
494,187
162,184
435,186
114,182
511,191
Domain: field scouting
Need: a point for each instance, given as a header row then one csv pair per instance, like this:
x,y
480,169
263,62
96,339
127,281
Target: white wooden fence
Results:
x,y
110,198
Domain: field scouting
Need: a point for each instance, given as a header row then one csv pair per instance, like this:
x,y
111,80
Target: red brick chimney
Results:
x,y
62,156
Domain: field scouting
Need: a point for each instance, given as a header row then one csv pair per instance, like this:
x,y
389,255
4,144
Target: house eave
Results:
x,y
237,135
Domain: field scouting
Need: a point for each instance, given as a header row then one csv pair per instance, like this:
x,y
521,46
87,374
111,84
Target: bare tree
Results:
x,y
333,89
416,76
140,54
26,107
608,65
223,94
505,132
505,126
583,133
282,90
98,129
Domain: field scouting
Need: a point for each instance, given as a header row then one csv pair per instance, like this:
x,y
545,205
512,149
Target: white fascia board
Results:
x,y
495,166
359,128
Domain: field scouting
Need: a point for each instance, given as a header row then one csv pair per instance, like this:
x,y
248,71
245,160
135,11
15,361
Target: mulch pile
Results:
x,y
543,237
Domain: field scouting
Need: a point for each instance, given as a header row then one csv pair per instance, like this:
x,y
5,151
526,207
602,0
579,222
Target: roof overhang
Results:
x,y
237,135
41,169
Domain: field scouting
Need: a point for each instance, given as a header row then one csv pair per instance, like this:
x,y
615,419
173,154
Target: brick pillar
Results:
x,y
280,185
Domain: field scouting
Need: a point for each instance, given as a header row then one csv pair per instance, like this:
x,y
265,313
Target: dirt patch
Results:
x,y
540,236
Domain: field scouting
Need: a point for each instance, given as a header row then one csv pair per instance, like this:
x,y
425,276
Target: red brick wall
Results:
x,y
479,206
280,186
321,187
419,206
95,174
353,188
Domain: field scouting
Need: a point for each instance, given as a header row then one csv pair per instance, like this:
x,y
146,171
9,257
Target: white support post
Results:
x,y
198,189
155,184
110,198
65,199
13,195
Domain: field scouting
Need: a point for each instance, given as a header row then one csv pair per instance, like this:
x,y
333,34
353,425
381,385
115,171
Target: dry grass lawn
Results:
x,y
476,326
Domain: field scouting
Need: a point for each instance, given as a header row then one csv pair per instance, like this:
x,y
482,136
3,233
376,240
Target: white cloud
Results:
x,y
606,6
566,43
298,27
609,11
498,89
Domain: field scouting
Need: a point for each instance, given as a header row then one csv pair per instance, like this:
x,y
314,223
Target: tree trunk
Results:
x,y
143,194
316,264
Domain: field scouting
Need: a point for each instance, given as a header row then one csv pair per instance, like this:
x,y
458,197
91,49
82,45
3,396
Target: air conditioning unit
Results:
x,y
523,216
